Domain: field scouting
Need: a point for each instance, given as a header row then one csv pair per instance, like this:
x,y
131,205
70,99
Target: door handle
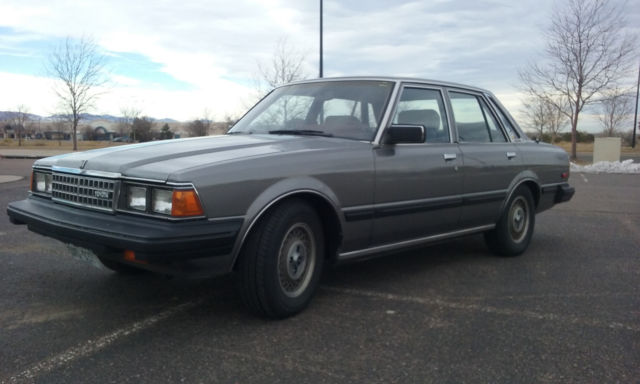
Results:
x,y
449,156
511,155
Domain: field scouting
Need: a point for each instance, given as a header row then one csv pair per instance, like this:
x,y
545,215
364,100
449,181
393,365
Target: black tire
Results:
x,y
281,262
514,229
120,268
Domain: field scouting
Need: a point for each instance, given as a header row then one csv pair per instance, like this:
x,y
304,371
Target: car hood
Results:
x,y
167,159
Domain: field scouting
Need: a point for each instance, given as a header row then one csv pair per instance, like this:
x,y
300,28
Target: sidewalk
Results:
x,y
17,153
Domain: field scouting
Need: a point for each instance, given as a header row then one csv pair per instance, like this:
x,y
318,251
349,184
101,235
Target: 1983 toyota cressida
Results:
x,y
317,172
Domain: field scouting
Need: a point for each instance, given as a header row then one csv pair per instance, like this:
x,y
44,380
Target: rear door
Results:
x,y
490,162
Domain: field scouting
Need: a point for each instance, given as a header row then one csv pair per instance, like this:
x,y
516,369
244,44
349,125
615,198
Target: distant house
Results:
x,y
102,134
56,135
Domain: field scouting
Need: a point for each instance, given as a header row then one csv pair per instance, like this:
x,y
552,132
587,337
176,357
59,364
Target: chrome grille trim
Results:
x,y
83,191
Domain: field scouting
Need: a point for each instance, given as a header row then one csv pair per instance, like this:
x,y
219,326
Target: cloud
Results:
x,y
181,57
31,91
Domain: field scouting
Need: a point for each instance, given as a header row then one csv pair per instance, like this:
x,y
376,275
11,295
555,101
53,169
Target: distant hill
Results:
x,y
8,115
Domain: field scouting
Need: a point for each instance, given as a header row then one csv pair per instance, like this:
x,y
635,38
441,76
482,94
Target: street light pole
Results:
x,y
635,116
320,39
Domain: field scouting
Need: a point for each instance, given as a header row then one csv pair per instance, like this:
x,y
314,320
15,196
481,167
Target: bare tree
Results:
x,y
207,121
588,51
125,123
557,119
79,68
534,111
60,123
197,128
19,121
285,66
617,107
229,121
544,116
6,126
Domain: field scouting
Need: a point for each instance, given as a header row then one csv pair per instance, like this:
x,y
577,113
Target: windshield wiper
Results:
x,y
304,132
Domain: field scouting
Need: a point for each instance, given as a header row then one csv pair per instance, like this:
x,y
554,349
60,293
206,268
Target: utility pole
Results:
x,y
321,39
635,116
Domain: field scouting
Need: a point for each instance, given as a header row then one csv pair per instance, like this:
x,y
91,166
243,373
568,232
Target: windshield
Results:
x,y
347,109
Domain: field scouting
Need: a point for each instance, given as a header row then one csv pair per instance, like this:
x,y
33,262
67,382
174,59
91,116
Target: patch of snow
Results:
x,y
627,166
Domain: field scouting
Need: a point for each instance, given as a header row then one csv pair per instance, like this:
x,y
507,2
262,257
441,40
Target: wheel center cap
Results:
x,y
296,259
518,219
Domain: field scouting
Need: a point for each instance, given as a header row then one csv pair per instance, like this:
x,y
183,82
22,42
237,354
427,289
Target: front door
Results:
x,y
418,186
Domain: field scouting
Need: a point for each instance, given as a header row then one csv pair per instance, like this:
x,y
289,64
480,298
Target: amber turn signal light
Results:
x,y
130,255
186,203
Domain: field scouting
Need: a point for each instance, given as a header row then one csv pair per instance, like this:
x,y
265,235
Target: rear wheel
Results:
x,y
513,232
281,262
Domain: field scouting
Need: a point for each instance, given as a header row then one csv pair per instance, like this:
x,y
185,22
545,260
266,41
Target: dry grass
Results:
x,y
588,147
54,144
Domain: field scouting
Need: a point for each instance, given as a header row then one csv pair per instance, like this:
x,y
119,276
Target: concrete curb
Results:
x,y
34,157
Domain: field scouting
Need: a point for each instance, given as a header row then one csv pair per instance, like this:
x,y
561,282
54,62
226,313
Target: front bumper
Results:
x,y
108,235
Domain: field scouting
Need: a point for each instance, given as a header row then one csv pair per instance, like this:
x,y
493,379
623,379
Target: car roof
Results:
x,y
395,80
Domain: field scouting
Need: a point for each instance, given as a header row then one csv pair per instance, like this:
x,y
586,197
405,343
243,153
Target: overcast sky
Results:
x,y
177,58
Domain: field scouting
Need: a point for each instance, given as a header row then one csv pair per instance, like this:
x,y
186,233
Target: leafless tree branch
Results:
x,y
588,52
79,69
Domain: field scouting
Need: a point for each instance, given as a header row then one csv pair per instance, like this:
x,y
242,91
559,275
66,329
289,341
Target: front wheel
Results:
x,y
514,229
280,265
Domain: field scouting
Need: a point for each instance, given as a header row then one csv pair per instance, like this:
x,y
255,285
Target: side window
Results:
x,y
423,107
511,131
474,121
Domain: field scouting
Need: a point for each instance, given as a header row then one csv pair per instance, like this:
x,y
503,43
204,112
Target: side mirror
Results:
x,y
404,134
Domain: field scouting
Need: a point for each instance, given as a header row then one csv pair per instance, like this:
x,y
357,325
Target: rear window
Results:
x,y
511,131
474,121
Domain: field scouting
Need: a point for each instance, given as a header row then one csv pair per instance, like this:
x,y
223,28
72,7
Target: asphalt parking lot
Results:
x,y
567,311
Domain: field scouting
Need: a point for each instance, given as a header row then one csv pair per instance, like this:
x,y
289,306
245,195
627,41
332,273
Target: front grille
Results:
x,y
89,192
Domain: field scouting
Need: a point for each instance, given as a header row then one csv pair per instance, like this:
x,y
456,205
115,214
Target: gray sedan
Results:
x,y
317,172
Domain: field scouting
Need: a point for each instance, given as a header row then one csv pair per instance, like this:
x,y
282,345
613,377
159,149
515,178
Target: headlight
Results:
x,y
41,182
179,202
137,198
162,201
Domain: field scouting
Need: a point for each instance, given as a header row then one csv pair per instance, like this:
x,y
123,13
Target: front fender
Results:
x,y
278,192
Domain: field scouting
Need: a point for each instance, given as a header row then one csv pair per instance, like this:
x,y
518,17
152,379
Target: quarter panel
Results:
x,y
547,161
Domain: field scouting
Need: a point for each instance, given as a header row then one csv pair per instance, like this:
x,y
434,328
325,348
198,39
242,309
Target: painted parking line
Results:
x,y
91,347
435,301
584,178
